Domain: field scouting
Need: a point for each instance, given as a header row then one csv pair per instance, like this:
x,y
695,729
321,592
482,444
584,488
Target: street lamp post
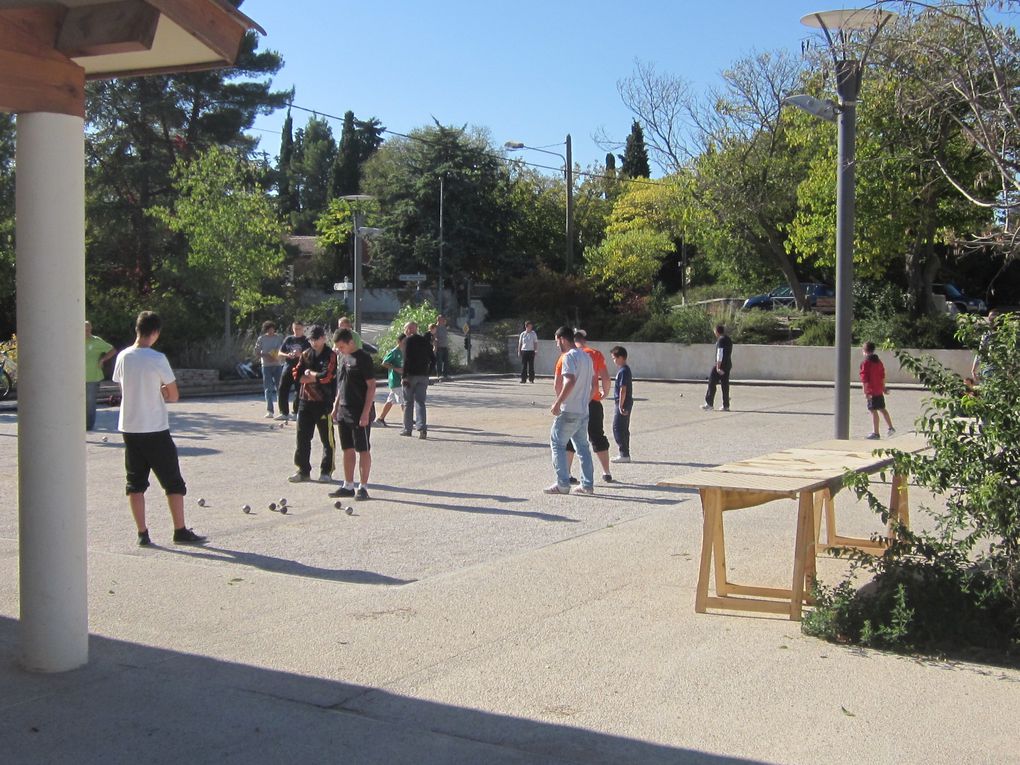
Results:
x,y
359,234
568,174
839,28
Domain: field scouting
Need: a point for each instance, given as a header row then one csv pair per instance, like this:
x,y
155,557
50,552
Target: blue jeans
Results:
x,y
571,427
271,383
443,361
416,387
621,431
91,393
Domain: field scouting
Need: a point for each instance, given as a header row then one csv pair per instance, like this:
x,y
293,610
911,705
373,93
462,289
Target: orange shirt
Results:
x,y
598,361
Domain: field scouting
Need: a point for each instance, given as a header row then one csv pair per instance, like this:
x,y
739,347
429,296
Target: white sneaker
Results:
x,y
282,417
891,432
586,490
268,416
873,437
555,489
620,458
707,407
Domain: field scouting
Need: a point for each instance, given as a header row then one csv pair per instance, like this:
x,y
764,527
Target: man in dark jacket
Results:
x,y
316,372
418,358
720,374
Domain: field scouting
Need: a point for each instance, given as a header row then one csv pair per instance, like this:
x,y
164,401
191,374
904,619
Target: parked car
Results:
x,y
955,297
783,297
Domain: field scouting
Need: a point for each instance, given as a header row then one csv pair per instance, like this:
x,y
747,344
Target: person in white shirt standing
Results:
x,y
574,389
147,385
527,347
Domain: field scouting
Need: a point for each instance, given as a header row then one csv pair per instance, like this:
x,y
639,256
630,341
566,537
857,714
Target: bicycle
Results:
x,y
8,375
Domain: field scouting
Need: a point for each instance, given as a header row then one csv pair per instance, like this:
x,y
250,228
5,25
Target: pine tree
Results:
x,y
358,141
635,154
286,195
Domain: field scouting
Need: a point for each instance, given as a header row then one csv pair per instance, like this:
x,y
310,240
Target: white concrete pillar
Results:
x,y
50,230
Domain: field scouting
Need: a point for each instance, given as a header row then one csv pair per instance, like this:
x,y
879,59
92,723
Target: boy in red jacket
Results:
x,y
873,378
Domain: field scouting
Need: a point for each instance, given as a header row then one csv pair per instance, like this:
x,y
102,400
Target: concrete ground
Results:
x,y
462,616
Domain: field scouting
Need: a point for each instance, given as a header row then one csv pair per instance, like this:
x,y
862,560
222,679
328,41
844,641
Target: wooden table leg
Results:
x,y
711,501
899,508
805,524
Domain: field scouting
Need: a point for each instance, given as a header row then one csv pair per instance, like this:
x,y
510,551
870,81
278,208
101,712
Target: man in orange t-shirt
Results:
x,y
596,416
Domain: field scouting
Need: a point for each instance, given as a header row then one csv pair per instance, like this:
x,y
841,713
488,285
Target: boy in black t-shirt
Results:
x,y
293,346
354,411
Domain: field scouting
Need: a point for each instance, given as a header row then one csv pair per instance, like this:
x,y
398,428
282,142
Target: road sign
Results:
x,y
343,286
412,277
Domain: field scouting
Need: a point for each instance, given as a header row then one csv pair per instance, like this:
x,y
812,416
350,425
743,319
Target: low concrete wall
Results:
x,y
671,361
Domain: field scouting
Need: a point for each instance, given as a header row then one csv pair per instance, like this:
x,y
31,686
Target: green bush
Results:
x,y
691,325
657,329
759,328
817,329
958,585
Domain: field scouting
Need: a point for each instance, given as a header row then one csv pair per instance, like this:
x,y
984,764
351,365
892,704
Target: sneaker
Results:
x,y
873,437
268,416
620,458
325,477
380,423
343,491
523,381
406,433
707,407
891,432
423,434
299,477
555,489
724,409
607,477
282,417
187,537
143,538
574,481
362,493
585,490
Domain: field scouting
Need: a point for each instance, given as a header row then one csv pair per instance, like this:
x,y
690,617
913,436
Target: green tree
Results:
x,y
233,236
358,141
635,154
137,128
312,173
405,174
286,196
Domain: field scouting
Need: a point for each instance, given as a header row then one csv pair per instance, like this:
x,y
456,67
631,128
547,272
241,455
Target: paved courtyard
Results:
x,y
460,615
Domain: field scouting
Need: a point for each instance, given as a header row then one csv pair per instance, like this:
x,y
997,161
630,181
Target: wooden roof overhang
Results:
x,y
49,49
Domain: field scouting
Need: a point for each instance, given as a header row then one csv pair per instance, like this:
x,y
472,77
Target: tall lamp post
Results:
x,y
568,172
840,29
360,232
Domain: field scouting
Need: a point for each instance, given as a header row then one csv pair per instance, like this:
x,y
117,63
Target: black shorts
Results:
x,y
876,403
596,429
156,452
354,436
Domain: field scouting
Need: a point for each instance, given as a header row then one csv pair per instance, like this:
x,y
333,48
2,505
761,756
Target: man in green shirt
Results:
x,y
394,362
97,353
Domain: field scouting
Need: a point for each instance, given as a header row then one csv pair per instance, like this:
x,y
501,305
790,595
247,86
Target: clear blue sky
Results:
x,y
525,71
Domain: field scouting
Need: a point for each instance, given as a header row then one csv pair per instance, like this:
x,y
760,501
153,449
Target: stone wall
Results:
x,y
672,361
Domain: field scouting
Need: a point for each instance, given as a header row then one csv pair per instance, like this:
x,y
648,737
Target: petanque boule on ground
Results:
x,y
246,509
201,502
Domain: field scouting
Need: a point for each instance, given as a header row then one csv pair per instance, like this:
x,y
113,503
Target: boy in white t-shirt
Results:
x,y
147,384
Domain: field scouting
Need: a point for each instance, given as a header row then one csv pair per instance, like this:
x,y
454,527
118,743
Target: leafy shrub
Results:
x,y
691,325
959,584
759,327
817,329
657,329
901,330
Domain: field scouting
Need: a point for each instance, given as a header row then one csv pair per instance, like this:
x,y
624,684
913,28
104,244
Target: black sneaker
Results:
x,y
143,538
607,477
184,536
342,492
574,481
406,433
423,434
362,493
381,423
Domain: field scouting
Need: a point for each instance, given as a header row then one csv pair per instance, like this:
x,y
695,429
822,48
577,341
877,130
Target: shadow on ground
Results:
x,y
135,703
